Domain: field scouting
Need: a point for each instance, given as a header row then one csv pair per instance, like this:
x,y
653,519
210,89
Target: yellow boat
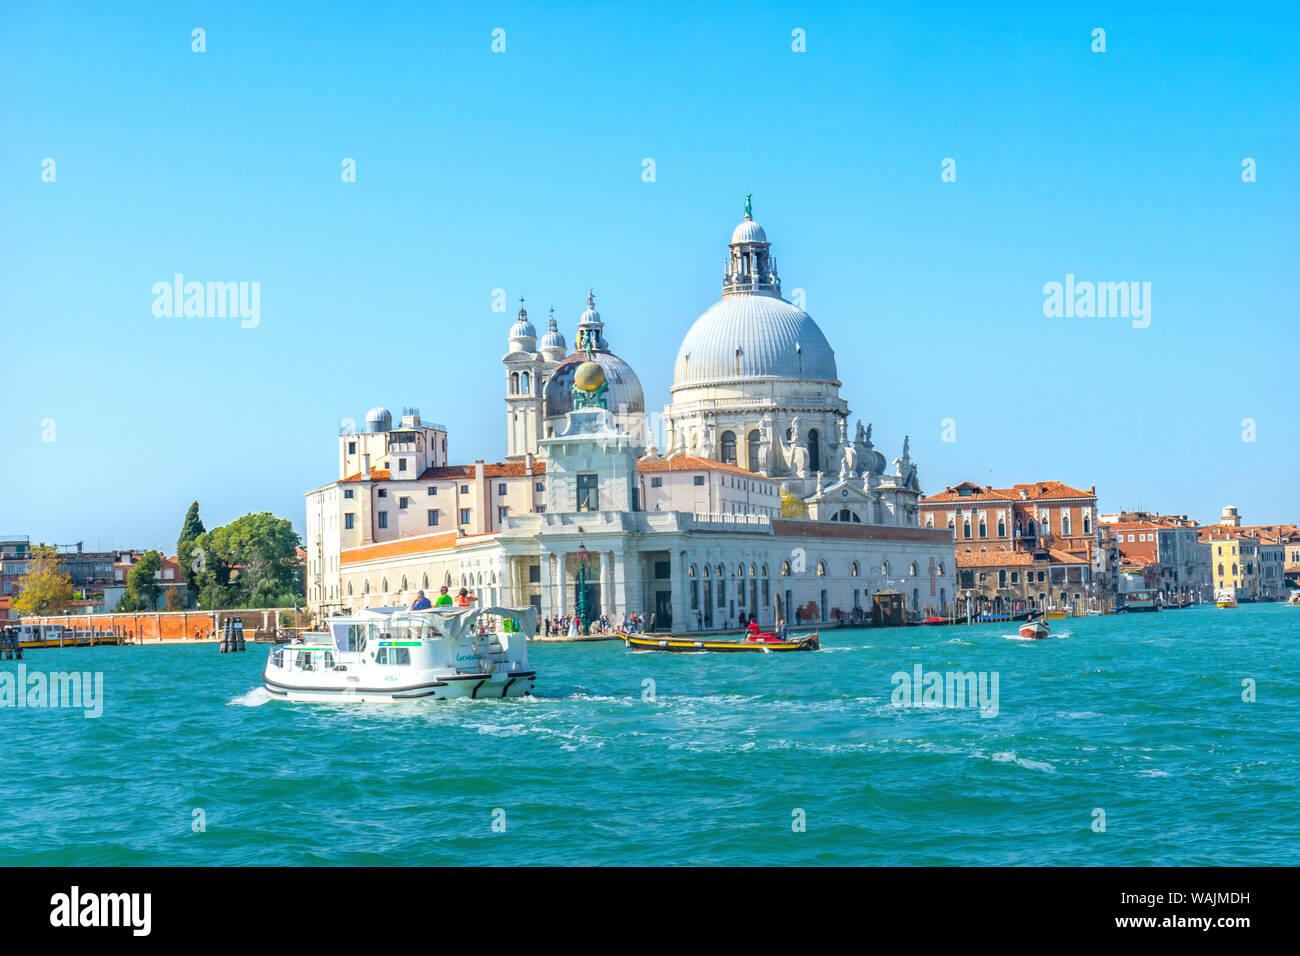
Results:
x,y
1230,602
687,645
1053,614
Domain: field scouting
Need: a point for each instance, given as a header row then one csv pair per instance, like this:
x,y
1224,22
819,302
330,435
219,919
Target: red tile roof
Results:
x,y
693,463
1035,491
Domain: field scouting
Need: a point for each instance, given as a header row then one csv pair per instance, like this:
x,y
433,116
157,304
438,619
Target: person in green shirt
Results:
x,y
443,599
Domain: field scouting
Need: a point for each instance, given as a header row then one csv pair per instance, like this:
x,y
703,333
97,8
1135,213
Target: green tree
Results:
x,y
251,562
44,588
142,587
187,556
173,601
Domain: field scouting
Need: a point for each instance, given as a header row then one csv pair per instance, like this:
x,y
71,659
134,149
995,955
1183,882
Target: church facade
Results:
x,y
758,505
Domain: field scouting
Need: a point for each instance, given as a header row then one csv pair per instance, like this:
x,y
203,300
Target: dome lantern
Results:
x,y
750,267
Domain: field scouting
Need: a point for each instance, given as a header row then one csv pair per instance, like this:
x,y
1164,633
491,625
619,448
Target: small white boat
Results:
x,y
384,655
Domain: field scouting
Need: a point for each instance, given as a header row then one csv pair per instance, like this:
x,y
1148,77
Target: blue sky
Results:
x,y
523,170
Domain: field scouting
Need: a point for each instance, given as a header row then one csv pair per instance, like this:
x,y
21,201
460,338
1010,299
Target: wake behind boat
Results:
x,y
763,644
383,655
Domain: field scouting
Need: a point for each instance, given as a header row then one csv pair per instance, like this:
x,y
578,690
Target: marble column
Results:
x,y
561,588
607,588
545,561
680,600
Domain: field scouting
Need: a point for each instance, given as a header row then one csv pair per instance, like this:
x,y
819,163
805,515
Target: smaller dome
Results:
x,y
553,339
379,420
589,377
748,231
523,329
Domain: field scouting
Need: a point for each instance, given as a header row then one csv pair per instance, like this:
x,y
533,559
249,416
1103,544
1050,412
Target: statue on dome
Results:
x,y
749,206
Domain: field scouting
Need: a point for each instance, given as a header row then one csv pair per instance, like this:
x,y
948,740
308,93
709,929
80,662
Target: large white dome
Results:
x,y
754,336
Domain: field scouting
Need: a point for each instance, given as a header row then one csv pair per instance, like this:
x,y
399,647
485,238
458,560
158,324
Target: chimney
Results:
x,y
365,466
528,463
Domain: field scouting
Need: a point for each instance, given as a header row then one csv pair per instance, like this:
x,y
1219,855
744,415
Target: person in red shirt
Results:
x,y
752,631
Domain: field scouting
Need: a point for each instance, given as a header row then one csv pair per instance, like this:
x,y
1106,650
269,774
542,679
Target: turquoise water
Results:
x,y
1141,716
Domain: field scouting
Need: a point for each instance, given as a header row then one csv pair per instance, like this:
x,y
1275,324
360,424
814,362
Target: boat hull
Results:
x,y
687,645
1033,631
475,686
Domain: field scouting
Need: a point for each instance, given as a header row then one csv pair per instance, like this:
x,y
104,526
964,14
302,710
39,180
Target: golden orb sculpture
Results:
x,y
589,377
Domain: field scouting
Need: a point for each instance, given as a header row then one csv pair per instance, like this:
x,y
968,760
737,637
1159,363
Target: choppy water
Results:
x,y
1140,716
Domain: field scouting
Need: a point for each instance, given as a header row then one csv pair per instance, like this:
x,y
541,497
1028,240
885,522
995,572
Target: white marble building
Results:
x,y
810,524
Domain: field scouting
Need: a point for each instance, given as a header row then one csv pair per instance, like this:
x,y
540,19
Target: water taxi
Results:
x,y
1140,600
763,644
1034,630
384,655
1226,598
56,635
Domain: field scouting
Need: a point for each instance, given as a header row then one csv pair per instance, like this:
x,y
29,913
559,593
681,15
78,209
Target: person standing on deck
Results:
x,y
444,599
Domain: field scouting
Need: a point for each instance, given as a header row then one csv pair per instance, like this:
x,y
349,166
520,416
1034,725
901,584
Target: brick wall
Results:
x,y
172,625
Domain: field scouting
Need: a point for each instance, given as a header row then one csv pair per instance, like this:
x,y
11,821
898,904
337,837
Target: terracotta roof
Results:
x,y
996,559
693,463
398,548
977,493
1051,489
1038,490
375,475
493,469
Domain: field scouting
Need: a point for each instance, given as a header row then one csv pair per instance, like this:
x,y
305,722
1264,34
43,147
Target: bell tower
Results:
x,y
526,370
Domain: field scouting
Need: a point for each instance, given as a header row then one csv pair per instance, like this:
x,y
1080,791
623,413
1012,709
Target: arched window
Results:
x,y
722,572
940,569
913,571
350,583
384,590
853,569
365,588
785,569
706,570
951,524
1002,528
752,571
884,568
1087,524
984,529
965,528
403,591
690,572
424,582
814,450
1065,525
740,571
514,383
728,448
1033,529
821,569
752,443
523,383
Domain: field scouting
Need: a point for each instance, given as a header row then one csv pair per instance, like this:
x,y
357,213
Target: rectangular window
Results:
x,y
502,512
588,493
347,492
433,489
699,480
348,520
663,570
464,516
539,487
501,489
402,502
534,573
352,448
464,489
383,519
383,493
401,464
432,514
656,482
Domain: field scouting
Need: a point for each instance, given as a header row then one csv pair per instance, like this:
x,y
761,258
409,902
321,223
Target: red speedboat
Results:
x,y
1033,630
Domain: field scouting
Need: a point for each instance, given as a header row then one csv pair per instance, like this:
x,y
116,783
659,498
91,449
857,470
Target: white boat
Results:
x,y
383,655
